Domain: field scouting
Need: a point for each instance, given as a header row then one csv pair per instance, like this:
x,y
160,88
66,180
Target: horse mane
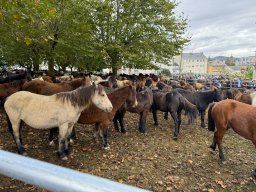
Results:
x,y
79,97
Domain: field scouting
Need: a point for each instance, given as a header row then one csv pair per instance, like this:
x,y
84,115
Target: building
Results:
x,y
216,66
194,63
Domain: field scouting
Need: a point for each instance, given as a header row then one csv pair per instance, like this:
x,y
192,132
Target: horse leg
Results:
x,y
214,143
175,119
104,135
67,149
142,122
51,135
166,115
63,130
179,119
219,138
121,122
115,120
202,113
72,136
17,136
155,117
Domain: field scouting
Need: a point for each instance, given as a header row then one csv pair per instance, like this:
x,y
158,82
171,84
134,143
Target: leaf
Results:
x,y
221,183
27,40
52,11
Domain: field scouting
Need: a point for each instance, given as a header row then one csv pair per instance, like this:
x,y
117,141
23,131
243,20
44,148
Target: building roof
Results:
x,y
193,56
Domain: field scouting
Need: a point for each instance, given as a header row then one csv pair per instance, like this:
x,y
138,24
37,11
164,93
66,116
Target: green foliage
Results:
x,y
249,72
90,34
230,61
166,72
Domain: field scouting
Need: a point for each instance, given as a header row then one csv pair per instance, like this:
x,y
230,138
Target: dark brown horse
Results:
x,y
163,86
145,100
173,102
47,88
102,120
7,89
231,114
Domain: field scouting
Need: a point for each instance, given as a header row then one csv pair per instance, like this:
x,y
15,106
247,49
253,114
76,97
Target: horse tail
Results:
x,y
211,124
190,109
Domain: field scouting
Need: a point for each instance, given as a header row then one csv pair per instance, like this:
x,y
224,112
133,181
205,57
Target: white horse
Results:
x,y
60,110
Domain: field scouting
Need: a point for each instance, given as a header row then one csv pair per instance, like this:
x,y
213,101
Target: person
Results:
x,y
239,83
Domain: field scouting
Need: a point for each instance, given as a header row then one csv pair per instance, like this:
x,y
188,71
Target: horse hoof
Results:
x,y
71,141
51,143
107,147
212,147
24,154
175,138
65,158
223,162
156,124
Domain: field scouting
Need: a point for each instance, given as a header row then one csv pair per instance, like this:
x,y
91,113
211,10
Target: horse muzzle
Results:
x,y
108,109
135,103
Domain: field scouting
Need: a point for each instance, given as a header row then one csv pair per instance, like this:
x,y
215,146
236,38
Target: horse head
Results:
x,y
219,95
100,98
132,99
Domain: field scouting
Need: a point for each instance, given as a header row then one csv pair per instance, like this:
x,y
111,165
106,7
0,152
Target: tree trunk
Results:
x,y
51,65
114,69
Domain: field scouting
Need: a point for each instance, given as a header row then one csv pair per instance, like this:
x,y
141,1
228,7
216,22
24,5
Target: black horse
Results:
x,y
145,100
15,77
201,99
173,102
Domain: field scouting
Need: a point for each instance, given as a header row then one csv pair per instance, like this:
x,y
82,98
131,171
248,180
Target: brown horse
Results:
x,y
163,86
102,120
145,101
47,88
7,89
242,97
231,114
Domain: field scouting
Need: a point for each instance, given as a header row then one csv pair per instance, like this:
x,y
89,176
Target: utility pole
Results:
x,y
180,65
254,67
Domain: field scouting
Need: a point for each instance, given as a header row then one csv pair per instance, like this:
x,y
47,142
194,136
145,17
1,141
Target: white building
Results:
x,y
194,63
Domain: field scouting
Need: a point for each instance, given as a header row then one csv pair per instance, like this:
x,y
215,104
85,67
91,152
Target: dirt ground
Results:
x,y
151,161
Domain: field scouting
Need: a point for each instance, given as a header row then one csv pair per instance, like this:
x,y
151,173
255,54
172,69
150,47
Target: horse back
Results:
x,y
236,115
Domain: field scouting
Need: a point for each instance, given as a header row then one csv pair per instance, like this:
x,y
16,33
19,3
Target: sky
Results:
x,y
220,27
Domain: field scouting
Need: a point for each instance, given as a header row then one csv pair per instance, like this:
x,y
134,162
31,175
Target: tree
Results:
x,y
230,61
90,34
135,33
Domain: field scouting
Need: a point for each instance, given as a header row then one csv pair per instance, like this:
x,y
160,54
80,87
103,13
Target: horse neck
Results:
x,y
119,97
80,98
208,96
75,83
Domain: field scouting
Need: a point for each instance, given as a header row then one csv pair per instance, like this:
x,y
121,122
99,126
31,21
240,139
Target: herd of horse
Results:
x,y
57,104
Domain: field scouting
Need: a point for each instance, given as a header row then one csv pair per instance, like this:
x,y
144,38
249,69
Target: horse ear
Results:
x,y
94,84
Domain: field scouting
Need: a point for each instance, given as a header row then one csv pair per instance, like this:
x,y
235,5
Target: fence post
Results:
x,y
56,178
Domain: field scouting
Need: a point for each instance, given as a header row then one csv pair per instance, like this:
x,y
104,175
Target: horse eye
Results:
x,y
103,95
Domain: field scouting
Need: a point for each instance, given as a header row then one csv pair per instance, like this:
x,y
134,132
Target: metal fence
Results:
x,y
56,178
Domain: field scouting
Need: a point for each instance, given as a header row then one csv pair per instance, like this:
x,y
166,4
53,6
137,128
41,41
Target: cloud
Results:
x,y
221,27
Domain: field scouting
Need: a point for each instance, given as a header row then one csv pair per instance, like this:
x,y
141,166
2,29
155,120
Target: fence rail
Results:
x,y
56,178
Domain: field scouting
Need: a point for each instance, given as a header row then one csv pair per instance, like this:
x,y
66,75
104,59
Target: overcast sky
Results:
x,y
221,27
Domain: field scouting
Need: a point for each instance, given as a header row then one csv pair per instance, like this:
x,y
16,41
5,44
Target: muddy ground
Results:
x,y
150,161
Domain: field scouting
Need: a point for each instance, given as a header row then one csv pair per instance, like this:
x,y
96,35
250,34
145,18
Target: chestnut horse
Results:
x,y
102,120
61,110
47,88
231,114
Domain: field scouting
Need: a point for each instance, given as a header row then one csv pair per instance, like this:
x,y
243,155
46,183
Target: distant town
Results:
x,y
198,63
